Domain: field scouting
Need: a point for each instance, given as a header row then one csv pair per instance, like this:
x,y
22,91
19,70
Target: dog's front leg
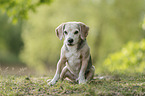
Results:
x,y
60,63
83,70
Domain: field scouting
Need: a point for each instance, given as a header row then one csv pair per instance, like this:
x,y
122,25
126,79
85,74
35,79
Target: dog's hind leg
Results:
x,y
67,74
90,74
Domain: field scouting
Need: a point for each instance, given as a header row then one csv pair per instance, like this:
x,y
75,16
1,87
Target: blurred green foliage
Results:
x,y
130,59
10,34
18,9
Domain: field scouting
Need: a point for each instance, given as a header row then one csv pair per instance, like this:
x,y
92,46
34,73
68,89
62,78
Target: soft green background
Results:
x,y
27,35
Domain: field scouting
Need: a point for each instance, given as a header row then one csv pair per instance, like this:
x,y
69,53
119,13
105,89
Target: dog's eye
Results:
x,y
76,32
65,32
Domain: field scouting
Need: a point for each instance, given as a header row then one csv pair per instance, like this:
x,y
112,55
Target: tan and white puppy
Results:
x,y
75,54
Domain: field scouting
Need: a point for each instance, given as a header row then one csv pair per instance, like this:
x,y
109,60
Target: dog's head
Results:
x,y
72,32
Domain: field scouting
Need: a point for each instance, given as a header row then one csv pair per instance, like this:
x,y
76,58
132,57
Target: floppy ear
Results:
x,y
84,30
59,31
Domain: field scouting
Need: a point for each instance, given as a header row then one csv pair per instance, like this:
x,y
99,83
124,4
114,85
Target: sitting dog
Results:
x,y
75,54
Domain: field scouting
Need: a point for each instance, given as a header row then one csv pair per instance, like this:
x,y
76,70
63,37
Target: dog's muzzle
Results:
x,y
70,42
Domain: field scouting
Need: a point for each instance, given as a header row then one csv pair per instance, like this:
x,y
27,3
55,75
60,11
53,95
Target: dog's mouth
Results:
x,y
70,44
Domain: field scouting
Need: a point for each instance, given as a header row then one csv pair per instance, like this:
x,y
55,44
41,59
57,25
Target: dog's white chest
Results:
x,y
73,61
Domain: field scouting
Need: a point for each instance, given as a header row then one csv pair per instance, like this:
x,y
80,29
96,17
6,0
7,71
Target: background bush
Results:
x,y
131,58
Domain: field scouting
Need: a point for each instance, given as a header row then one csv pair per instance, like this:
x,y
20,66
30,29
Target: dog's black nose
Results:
x,y
70,40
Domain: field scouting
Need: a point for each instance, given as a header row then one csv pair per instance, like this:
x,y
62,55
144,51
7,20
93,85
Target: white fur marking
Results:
x,y
74,62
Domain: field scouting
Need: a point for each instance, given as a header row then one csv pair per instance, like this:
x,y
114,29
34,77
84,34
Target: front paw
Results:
x,y
81,80
52,82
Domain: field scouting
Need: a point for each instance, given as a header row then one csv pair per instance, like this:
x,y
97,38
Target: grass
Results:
x,y
101,85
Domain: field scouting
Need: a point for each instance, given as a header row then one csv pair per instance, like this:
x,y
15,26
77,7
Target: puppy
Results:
x,y
75,54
